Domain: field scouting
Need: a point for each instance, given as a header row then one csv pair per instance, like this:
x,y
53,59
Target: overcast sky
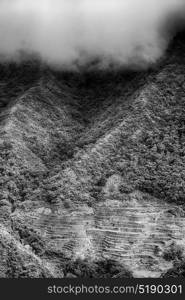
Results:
x,y
65,31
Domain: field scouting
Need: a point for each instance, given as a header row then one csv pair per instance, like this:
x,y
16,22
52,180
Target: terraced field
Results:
x,y
136,231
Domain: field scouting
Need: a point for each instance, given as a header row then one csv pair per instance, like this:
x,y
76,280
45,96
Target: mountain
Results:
x,y
92,170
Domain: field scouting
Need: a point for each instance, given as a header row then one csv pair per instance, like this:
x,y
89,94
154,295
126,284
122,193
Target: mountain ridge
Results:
x,y
92,167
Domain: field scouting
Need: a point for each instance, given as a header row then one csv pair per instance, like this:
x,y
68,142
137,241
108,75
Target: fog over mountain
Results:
x,y
75,32
92,163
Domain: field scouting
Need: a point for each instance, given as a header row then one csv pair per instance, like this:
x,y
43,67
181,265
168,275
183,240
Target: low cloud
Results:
x,y
70,33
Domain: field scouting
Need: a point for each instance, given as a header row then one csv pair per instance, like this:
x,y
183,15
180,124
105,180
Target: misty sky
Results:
x,y
64,32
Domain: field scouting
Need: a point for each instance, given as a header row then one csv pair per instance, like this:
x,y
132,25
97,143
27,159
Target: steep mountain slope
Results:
x,y
92,170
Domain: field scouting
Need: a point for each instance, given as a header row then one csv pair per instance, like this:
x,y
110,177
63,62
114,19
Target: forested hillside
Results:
x,y
92,170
